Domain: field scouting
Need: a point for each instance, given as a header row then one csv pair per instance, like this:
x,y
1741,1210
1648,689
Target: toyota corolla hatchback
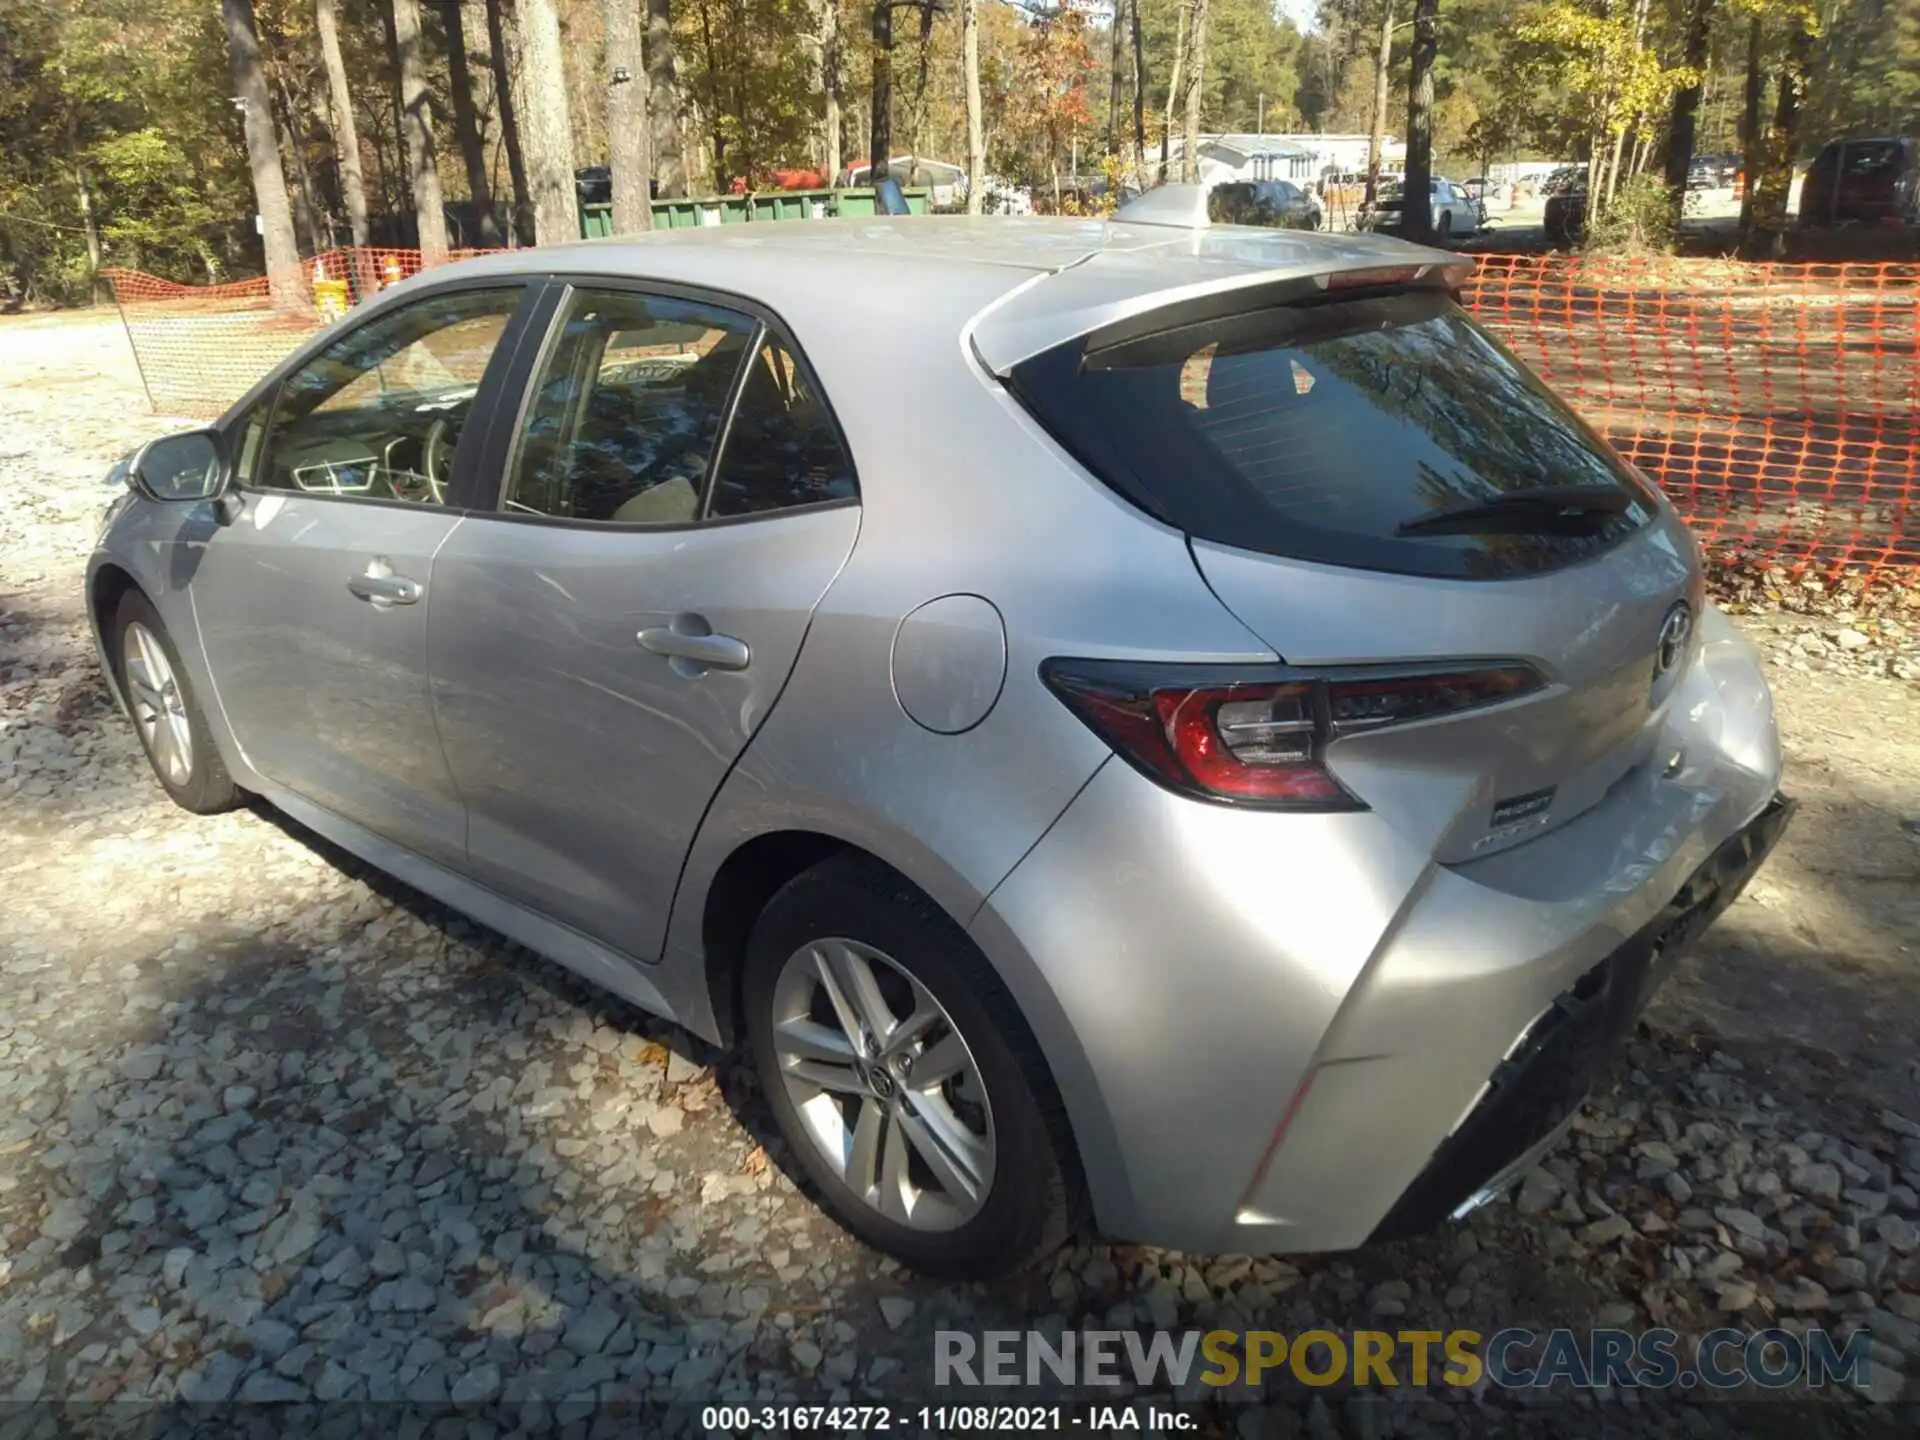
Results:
x,y
1172,730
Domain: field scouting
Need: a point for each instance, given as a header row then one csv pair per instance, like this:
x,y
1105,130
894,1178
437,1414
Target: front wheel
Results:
x,y
172,729
903,1078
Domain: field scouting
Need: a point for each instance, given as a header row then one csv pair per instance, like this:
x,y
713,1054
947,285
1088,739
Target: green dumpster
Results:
x,y
860,201
790,205
596,221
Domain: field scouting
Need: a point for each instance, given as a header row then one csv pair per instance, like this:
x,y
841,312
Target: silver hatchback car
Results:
x,y
1162,728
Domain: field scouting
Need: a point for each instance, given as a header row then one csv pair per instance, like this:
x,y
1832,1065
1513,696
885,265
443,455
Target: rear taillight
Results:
x,y
1257,735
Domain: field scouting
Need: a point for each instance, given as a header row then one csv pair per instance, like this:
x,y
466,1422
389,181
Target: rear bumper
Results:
x,y
1267,1029
1535,1091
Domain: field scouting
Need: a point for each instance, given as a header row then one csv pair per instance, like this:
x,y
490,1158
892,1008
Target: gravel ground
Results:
x,y
276,1128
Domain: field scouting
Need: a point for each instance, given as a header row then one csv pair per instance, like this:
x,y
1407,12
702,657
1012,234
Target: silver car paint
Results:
x,y
1209,958
585,761
1591,629
1182,965
326,690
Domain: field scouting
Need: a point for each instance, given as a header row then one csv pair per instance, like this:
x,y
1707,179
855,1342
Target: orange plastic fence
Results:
x,y
200,347
1778,405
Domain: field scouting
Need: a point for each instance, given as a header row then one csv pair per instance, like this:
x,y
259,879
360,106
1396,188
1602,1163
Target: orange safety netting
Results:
x,y
200,347
1778,405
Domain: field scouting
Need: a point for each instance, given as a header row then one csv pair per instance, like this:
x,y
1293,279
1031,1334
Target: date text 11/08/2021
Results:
x,y
942,1419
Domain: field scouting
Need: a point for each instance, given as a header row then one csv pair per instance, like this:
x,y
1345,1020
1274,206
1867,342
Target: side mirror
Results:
x,y
185,467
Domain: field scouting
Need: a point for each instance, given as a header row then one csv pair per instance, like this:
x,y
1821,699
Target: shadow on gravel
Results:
x,y
1829,960
381,1152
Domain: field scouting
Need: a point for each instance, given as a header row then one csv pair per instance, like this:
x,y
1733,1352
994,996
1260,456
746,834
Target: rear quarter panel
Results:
x,y
962,495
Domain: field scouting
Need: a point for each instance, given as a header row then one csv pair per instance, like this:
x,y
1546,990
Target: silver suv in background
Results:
x,y
1232,791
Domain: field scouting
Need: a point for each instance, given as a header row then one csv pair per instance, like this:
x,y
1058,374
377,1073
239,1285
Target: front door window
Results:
x,y
379,413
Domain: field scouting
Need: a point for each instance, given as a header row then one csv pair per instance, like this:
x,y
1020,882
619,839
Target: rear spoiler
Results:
x,y
1338,284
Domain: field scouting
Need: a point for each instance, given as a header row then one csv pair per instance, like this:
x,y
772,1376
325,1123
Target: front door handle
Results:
x,y
709,651
386,589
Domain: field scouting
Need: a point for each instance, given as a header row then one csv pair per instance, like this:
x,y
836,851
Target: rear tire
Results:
x,y
1445,233
166,715
997,1123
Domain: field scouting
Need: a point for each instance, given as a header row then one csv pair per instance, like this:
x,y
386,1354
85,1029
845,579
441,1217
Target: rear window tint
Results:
x,y
1316,431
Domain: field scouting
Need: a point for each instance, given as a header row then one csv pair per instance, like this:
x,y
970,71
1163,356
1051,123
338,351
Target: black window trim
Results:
x,y
466,481
769,325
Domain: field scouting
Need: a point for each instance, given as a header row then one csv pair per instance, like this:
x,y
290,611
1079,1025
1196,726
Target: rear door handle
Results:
x,y
713,652
385,589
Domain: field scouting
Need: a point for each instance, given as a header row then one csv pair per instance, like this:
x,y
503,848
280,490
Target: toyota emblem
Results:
x,y
1675,632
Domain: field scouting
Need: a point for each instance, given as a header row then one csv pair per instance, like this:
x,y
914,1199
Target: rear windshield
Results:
x,y
1317,431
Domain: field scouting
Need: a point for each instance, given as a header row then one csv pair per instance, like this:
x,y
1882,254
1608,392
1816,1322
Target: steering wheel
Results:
x,y
436,457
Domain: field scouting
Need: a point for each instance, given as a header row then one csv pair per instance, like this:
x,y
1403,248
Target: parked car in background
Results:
x,y
1480,191
1563,179
1454,216
1872,181
1002,197
1233,788
1566,213
1712,172
946,182
1275,204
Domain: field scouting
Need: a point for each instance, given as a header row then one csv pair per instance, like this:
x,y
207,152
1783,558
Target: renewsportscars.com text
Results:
x,y
1511,1358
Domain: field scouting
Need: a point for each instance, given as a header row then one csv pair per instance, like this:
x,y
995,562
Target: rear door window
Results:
x,y
782,450
1319,431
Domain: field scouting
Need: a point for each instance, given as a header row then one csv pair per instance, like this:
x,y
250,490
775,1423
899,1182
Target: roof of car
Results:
x,y
1021,283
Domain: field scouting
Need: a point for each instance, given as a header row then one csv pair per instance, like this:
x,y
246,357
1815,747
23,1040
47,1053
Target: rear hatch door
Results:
x,y
1361,477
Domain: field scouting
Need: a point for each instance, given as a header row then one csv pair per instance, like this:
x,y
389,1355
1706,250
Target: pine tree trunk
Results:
x,y
1195,79
346,132
918,119
827,63
546,129
976,143
416,125
1756,90
466,126
1173,84
285,282
83,193
1686,106
1771,193
500,57
306,216
629,127
1116,76
1416,204
665,100
1139,97
880,132
1376,138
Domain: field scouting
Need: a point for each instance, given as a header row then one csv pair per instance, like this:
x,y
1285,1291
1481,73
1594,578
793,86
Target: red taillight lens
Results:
x,y
1373,276
1261,739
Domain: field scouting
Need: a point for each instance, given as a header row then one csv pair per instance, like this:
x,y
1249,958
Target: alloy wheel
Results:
x,y
884,1084
159,709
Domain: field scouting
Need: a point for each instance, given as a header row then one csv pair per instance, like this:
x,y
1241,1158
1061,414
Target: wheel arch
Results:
x,y
107,585
755,870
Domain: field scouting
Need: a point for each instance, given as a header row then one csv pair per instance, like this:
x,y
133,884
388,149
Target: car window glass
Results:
x,y
626,408
1244,428
1871,158
378,414
782,448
